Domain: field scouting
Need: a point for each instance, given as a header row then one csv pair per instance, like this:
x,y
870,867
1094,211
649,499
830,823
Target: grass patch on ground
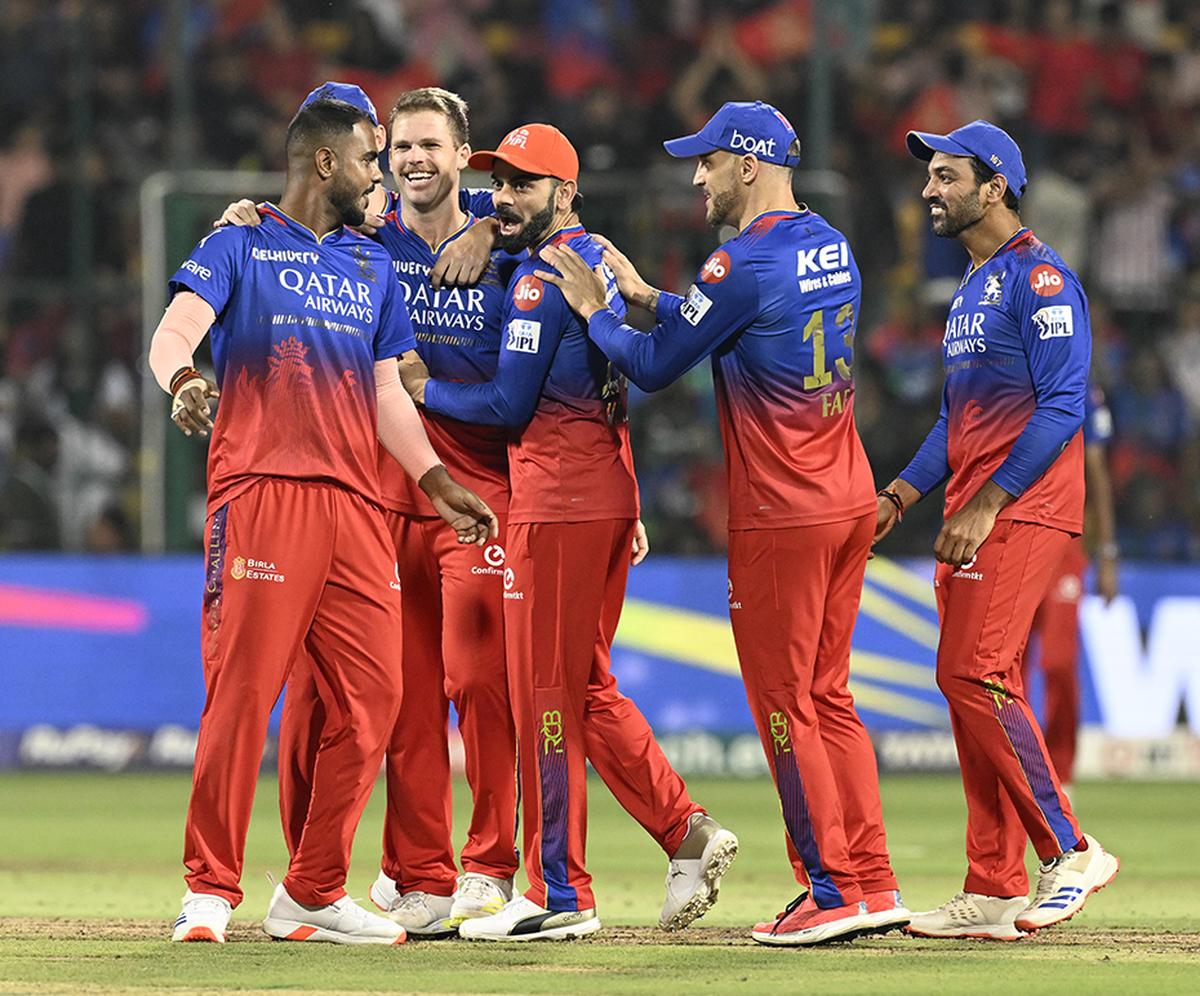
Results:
x,y
90,883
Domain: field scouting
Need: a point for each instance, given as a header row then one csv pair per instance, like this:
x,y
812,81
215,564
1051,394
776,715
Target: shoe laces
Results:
x,y
349,907
208,904
412,902
960,906
478,888
1047,882
790,908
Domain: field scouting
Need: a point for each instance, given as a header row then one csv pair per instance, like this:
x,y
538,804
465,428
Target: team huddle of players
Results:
x,y
421,491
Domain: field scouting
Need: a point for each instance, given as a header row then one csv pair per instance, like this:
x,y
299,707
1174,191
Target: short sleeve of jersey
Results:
x,y
394,333
477,201
211,270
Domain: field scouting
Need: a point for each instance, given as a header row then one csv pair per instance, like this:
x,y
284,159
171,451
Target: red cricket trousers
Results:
x,y
1056,634
294,567
563,590
986,608
452,651
793,599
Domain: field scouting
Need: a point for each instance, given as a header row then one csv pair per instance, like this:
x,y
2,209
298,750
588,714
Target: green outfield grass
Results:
x,y
90,883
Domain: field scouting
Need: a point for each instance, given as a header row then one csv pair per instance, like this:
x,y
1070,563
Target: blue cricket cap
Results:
x,y
992,146
742,127
348,92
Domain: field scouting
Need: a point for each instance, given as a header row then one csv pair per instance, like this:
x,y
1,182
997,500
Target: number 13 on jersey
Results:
x,y
814,331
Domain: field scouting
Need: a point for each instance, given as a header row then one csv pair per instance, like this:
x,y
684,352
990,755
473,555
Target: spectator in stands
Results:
x,y
30,519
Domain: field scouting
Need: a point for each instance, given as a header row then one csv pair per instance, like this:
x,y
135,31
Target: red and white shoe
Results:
x,y
343,922
804,923
886,911
203,918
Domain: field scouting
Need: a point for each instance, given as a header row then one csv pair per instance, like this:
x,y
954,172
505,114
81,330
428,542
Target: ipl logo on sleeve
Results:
x,y
1057,321
523,336
695,306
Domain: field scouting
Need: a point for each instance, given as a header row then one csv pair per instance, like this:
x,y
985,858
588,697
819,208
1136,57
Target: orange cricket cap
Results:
x,y
537,149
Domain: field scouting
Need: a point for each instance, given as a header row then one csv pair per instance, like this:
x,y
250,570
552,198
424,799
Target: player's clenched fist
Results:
x,y
467,513
190,409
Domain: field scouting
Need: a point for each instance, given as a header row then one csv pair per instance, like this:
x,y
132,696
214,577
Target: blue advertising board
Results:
x,y
95,644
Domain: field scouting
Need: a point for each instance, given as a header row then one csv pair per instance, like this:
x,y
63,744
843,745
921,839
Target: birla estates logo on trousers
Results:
x,y
253,569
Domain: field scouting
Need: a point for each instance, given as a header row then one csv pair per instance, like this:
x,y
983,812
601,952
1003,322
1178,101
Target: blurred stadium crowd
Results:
x,y
1103,97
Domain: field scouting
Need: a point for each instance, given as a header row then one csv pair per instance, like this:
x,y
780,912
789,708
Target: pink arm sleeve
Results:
x,y
400,428
183,327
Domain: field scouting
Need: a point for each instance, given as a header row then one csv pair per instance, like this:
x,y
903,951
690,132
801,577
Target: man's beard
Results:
x,y
956,219
348,205
721,208
531,232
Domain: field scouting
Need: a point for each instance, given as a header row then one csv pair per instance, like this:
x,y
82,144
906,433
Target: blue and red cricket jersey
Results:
x,y
572,461
1016,352
301,322
457,332
776,307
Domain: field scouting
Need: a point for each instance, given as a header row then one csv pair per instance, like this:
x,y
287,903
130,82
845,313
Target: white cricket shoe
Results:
x,y
384,892
694,872
970,914
342,922
1065,882
524,920
203,918
479,895
421,914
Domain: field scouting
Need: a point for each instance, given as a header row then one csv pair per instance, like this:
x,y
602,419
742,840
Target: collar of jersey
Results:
x,y
1019,235
436,250
301,229
746,228
562,235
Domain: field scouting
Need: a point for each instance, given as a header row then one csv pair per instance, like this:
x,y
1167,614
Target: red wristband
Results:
x,y
182,376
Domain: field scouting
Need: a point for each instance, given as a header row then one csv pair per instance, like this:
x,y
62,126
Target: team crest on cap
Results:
x,y
518,136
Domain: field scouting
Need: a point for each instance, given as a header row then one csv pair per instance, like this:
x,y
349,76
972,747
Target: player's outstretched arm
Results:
x,y
688,329
633,288
183,326
464,260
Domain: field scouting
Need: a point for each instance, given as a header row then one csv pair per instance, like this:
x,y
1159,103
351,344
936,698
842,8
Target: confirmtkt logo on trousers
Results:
x,y
510,584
